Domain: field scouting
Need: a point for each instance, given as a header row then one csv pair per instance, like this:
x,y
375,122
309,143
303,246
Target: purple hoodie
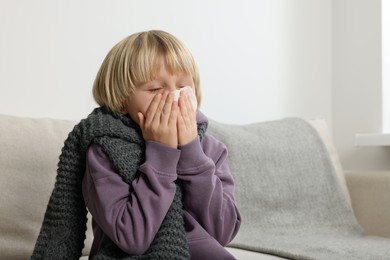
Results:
x,y
131,219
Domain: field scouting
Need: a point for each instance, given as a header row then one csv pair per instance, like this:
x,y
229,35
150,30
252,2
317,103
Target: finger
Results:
x,y
186,110
190,108
150,113
167,109
180,120
141,119
182,103
189,105
160,107
173,117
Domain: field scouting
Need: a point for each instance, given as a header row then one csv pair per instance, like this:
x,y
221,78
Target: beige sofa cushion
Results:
x,y
29,151
370,195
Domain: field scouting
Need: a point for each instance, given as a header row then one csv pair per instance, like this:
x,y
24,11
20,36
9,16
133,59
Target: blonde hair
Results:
x,y
134,60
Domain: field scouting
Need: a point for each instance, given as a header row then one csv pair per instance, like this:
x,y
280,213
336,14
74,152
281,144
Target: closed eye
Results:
x,y
154,89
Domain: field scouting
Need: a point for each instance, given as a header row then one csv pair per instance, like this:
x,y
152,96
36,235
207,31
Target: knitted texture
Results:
x,y
63,229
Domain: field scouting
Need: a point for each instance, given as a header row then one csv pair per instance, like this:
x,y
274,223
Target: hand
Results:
x,y
159,122
186,122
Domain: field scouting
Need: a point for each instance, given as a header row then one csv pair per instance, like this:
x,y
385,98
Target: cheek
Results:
x,y
139,103
143,107
133,106
143,104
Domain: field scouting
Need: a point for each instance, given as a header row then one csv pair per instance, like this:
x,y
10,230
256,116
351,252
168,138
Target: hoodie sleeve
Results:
x,y
130,215
209,188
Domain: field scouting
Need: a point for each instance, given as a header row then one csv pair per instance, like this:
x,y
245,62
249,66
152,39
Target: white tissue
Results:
x,y
190,93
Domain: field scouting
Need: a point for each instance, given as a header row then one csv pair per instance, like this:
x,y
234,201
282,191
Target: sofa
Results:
x,y
29,151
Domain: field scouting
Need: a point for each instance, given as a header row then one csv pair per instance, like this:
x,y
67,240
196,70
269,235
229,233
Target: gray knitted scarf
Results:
x,y
63,229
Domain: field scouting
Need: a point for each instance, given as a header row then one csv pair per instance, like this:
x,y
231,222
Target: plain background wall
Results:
x,y
259,59
357,82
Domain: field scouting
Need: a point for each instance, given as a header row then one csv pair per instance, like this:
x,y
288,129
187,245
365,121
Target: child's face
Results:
x,y
140,99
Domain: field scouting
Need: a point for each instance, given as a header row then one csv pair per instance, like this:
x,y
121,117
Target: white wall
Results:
x,y
259,60
385,18
357,85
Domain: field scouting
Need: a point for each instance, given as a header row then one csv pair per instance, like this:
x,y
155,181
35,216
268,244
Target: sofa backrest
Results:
x,y
29,152
321,128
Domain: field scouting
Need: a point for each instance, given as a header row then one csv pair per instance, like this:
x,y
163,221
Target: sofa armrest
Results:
x,y
370,196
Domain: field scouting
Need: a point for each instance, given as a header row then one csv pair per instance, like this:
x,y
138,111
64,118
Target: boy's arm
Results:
x,y
131,216
209,188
